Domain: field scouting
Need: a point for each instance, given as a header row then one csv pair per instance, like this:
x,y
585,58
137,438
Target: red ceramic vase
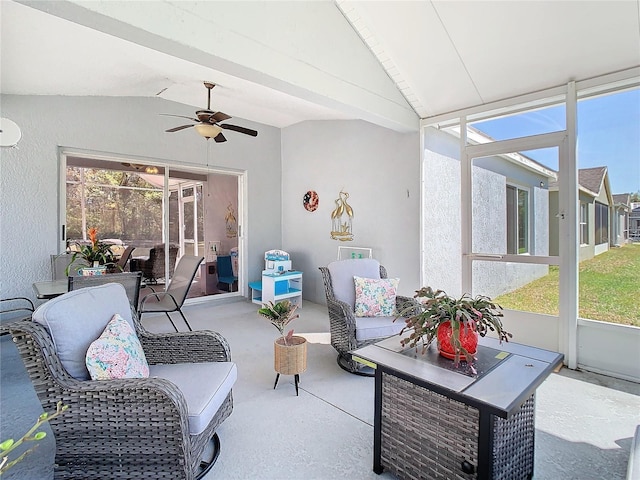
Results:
x,y
468,339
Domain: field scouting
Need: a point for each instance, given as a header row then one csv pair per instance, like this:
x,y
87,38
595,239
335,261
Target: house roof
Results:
x,y
622,199
591,179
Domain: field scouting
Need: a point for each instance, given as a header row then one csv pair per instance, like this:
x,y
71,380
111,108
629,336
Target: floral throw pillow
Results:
x,y
117,353
375,297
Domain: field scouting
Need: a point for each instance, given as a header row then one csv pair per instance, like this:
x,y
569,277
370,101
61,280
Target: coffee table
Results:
x,y
433,420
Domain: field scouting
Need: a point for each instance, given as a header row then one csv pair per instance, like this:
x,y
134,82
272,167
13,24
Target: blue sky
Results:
x,y
608,135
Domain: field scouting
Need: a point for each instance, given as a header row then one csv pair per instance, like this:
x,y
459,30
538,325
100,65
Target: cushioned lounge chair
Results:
x,y
155,427
349,331
153,268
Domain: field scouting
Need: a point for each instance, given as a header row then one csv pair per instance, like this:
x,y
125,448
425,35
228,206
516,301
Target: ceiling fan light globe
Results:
x,y
207,130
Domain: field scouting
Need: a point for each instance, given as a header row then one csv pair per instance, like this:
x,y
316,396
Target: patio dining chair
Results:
x,y
123,262
129,280
140,405
353,328
12,309
172,299
60,262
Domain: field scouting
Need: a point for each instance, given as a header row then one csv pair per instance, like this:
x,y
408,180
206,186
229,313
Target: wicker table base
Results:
x,y
425,435
436,420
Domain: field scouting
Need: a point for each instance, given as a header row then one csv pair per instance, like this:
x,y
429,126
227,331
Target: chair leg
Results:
x,y
345,363
171,320
185,320
205,466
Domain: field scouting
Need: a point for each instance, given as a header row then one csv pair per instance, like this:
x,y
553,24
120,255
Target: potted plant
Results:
x,y
290,351
98,255
455,322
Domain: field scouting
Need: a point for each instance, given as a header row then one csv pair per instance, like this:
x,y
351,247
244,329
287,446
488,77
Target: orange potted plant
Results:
x,y
97,255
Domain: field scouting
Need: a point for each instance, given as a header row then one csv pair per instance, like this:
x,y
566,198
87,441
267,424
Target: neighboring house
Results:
x,y
634,222
510,208
596,210
620,218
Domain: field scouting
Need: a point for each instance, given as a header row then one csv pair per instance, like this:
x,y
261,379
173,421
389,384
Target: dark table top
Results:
x,y
507,373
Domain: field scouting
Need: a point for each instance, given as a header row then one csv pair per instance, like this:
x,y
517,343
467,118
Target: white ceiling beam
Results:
x,y
304,49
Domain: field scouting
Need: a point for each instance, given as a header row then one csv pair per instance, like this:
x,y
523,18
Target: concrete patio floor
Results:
x,y
584,422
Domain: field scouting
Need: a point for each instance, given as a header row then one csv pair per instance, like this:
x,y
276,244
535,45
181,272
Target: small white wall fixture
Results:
x,y
10,133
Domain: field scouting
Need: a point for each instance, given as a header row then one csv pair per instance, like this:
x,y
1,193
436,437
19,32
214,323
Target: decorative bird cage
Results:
x,y
341,219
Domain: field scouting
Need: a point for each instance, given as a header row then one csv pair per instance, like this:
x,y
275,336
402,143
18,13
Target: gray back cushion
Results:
x,y
77,318
342,273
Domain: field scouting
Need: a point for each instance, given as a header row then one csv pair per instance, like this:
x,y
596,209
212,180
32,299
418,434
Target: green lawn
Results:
x,y
609,289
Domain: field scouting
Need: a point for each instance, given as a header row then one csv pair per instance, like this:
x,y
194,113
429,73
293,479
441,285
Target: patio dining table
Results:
x,y
48,289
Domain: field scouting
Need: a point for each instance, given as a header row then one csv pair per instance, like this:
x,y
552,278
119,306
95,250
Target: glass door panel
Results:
x,y
131,206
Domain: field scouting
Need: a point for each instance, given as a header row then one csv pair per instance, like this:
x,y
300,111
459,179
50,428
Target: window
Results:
x,y
517,220
119,204
584,223
602,223
129,205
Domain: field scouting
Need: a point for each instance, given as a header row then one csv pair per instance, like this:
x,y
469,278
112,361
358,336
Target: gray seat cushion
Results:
x,y
369,328
77,318
204,386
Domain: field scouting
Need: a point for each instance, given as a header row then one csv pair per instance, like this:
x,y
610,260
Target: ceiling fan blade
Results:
x,y
179,116
236,128
210,116
219,138
176,129
219,116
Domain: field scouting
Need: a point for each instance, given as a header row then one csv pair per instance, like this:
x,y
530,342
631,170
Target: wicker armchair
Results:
x,y
153,268
130,428
349,332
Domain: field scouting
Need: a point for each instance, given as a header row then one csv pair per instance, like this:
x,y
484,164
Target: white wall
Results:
x,y
379,168
609,348
29,224
441,221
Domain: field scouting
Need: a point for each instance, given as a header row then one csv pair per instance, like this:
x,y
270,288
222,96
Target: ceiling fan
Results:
x,y
208,122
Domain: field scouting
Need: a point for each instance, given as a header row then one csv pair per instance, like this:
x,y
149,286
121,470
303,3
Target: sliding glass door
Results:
x,y
164,212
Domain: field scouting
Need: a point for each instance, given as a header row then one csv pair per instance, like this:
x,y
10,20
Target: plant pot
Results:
x,y
290,359
468,339
91,271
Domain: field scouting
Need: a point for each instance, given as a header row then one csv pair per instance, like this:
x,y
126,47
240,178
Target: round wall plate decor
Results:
x,y
10,133
310,201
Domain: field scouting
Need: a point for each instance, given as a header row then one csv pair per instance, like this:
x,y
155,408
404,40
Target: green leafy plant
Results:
x,y
280,315
9,445
434,308
96,252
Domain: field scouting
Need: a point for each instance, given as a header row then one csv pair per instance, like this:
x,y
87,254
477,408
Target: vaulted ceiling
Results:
x,y
283,62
